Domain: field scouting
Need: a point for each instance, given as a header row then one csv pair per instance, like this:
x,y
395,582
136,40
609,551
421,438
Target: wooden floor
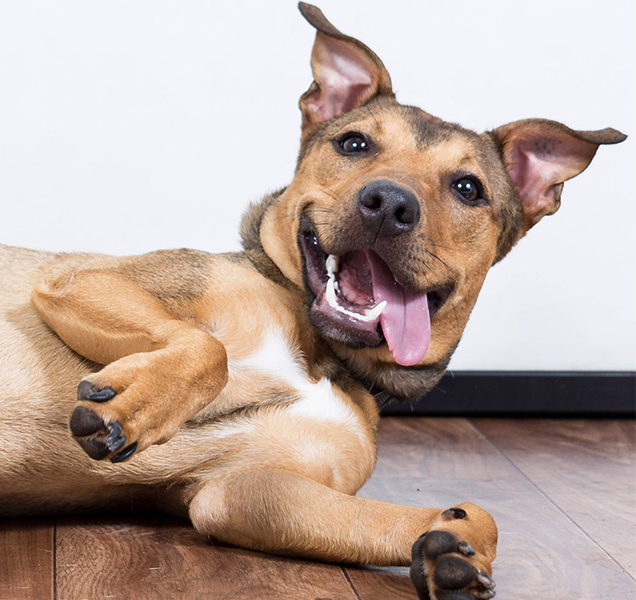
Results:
x,y
563,493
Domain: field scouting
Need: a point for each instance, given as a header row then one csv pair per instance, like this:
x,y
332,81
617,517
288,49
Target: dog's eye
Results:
x,y
468,189
352,143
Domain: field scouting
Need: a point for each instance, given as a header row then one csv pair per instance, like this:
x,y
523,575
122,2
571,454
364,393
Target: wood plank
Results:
x,y
26,559
155,557
542,554
436,448
586,467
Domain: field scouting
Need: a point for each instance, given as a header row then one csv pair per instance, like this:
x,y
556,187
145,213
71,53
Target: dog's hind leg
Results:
x,y
287,485
160,370
450,550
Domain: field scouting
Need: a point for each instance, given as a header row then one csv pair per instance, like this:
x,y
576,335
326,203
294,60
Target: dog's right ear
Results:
x,y
347,74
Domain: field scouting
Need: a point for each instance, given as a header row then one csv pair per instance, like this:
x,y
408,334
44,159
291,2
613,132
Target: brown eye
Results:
x,y
468,190
352,143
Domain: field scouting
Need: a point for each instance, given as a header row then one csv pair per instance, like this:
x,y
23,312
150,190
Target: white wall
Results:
x,y
127,126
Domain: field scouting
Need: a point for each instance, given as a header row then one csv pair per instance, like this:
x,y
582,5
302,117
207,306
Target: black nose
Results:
x,y
388,209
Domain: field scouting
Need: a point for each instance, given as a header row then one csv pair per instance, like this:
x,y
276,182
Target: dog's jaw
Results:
x,y
355,300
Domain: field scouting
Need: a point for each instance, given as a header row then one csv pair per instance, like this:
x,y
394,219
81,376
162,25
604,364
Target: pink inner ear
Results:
x,y
345,78
539,161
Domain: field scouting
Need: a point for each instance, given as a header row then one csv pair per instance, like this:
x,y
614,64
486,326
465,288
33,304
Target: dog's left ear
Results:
x,y
540,155
347,74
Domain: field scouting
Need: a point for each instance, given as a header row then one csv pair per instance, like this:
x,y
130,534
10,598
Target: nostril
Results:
x,y
372,201
405,214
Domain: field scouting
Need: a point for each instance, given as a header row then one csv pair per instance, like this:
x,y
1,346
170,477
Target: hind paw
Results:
x,y
446,567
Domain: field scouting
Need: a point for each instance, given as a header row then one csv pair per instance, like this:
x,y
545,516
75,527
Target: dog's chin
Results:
x,y
342,306
403,384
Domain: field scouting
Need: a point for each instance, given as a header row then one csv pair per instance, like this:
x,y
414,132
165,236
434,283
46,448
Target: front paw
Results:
x,y
446,567
118,416
97,430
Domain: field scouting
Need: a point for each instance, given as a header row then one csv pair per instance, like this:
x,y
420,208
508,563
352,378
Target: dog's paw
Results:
x,y
446,567
98,431
117,415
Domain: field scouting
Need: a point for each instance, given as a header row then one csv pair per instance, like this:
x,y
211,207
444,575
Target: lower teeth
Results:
x,y
370,314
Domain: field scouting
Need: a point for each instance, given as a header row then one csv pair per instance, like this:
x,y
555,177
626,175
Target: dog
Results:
x,y
242,389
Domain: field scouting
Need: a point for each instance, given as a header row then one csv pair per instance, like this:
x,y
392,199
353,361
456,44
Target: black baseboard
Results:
x,y
527,393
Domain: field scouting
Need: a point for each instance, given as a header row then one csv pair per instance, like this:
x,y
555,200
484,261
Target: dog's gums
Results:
x,y
356,300
349,293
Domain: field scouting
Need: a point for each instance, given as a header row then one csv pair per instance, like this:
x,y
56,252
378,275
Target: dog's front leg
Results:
x,y
450,551
160,370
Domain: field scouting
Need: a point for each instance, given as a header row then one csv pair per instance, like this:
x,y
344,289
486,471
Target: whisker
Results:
x,y
430,241
333,195
448,268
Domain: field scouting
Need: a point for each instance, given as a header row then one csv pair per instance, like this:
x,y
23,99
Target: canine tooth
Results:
x,y
373,313
332,264
330,293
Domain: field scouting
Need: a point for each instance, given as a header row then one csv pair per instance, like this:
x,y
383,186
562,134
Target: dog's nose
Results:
x,y
387,208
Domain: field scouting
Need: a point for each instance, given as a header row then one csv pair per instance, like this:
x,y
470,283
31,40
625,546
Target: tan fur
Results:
x,y
246,418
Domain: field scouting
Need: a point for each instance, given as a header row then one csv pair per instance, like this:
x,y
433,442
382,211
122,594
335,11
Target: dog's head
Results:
x,y
394,216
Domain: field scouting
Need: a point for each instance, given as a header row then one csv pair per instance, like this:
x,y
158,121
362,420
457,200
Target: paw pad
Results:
x,y
437,543
95,448
443,561
453,573
85,421
454,513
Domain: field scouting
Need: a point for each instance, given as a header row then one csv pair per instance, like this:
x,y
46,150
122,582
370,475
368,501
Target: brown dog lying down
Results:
x,y
236,387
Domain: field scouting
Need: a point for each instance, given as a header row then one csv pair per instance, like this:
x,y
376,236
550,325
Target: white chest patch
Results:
x,y
276,359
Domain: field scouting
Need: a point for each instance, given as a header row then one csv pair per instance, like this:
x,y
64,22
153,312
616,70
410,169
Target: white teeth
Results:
x,y
330,294
332,265
373,313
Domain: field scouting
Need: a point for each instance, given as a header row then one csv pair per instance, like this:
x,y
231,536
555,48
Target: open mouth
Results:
x,y
359,303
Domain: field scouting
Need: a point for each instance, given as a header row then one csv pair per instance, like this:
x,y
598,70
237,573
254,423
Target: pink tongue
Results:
x,y
405,321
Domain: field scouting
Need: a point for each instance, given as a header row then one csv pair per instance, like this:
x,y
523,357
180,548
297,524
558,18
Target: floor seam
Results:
x,y
353,587
549,499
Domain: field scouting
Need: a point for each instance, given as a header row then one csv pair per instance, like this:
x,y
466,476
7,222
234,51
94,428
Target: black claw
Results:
x,y
453,573
487,581
118,444
94,448
124,454
454,513
439,542
84,421
102,396
88,391
466,549
115,440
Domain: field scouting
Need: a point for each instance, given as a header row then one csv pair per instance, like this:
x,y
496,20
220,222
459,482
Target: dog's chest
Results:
x,y
275,373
